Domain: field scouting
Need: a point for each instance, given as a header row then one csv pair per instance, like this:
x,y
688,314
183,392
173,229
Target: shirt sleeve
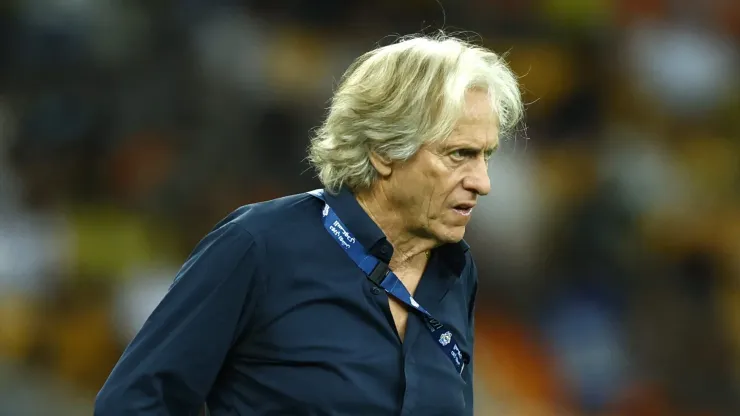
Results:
x,y
171,364
468,374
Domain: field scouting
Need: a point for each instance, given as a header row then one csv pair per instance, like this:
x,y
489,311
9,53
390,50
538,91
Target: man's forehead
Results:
x,y
462,141
478,106
479,114
480,132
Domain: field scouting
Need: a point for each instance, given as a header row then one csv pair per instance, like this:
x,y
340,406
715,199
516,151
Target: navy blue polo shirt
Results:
x,y
269,316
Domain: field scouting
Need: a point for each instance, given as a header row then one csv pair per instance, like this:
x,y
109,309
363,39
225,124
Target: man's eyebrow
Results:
x,y
449,145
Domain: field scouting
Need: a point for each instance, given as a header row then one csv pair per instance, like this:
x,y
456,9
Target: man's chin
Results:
x,y
451,235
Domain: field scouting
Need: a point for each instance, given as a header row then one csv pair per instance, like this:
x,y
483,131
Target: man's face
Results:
x,y
437,189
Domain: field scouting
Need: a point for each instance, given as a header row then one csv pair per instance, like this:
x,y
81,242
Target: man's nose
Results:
x,y
478,181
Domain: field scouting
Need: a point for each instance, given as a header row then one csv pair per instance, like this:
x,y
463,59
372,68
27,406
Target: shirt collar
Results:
x,y
371,236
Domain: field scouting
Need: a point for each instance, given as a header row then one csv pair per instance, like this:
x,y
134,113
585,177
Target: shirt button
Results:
x,y
384,249
376,291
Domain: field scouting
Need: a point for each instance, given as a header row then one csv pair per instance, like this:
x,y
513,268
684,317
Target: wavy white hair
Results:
x,y
396,98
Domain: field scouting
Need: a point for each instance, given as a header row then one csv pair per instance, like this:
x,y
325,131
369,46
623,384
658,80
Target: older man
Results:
x,y
352,300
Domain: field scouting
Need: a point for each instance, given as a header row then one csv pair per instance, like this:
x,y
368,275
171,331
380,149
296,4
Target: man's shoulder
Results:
x,y
261,218
471,274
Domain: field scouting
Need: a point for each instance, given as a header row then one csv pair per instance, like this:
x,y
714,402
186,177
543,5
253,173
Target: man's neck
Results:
x,y
408,248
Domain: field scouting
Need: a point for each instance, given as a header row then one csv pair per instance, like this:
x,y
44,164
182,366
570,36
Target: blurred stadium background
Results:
x,y
609,249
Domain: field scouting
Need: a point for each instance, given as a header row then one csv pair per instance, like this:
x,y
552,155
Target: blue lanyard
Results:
x,y
379,273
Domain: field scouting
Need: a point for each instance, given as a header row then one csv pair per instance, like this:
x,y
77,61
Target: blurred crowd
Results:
x,y
609,248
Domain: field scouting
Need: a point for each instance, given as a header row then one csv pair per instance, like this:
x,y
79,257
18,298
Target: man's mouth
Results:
x,y
464,209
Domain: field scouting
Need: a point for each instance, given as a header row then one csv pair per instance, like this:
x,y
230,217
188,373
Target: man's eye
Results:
x,y
458,155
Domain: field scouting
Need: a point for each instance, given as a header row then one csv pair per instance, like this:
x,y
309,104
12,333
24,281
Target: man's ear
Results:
x,y
382,164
